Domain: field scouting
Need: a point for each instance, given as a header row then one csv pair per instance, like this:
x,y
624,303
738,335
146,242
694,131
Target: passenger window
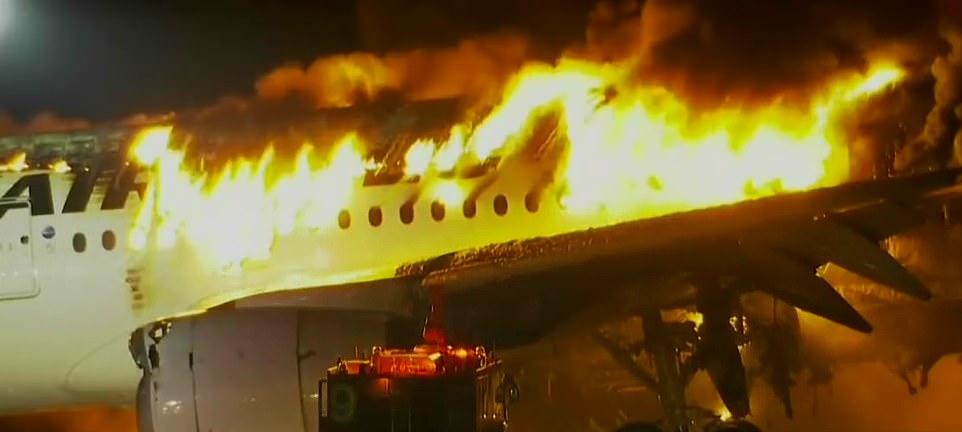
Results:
x,y
531,201
108,240
470,209
437,211
344,219
500,205
407,213
374,216
79,243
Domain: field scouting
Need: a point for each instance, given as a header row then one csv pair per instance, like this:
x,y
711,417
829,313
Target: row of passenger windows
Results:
x,y
375,216
108,240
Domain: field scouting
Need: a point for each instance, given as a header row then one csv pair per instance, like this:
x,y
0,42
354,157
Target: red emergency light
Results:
x,y
422,361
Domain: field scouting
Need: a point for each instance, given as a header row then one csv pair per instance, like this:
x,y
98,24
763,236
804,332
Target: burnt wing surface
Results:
x,y
514,293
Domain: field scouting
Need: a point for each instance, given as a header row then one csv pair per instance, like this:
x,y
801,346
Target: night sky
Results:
x,y
102,60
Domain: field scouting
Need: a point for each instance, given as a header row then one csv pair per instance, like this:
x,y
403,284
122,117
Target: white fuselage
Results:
x,y
74,290
65,311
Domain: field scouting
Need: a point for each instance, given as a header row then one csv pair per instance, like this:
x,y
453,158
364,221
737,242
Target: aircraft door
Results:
x,y
17,276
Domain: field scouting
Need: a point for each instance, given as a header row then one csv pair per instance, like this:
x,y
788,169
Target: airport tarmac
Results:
x,y
560,395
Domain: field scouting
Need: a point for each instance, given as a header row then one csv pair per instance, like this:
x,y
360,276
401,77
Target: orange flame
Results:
x,y
17,163
60,167
640,153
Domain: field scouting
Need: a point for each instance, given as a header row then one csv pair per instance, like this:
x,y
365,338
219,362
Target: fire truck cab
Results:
x,y
430,388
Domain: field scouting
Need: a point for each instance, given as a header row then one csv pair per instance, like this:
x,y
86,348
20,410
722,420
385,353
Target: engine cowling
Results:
x,y
245,369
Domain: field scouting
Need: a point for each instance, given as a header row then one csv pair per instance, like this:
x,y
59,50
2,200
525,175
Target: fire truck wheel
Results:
x,y
343,402
640,427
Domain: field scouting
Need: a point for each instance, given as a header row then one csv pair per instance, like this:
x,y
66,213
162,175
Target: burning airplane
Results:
x,y
576,194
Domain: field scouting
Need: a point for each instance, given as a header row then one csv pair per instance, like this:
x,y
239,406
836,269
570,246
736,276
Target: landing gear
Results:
x,y
677,351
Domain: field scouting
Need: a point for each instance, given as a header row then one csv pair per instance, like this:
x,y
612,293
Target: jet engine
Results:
x,y
244,369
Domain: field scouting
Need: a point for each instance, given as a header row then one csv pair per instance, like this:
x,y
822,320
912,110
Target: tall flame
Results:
x,y
236,217
630,151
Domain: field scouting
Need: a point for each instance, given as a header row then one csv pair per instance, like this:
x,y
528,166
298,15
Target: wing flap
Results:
x,y
879,221
797,284
826,241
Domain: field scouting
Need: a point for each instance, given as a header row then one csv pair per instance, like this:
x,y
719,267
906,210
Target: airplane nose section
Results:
x,y
105,369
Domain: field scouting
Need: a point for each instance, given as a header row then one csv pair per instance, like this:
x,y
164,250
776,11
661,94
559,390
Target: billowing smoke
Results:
x,y
473,67
932,144
747,52
717,52
40,123
710,51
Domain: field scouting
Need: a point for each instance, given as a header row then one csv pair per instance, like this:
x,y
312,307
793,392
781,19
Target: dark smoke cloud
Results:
x,y
398,25
943,120
751,51
433,49
709,52
473,67
714,51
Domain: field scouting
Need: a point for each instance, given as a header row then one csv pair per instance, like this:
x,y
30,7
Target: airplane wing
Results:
x,y
773,244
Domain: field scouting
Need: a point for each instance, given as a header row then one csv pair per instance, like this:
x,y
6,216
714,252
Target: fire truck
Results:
x,y
431,388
